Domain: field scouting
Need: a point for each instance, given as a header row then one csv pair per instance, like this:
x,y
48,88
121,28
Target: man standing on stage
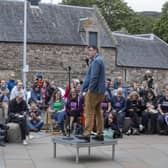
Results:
x,y
94,88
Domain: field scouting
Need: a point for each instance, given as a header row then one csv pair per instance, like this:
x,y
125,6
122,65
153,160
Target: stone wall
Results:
x,y
53,62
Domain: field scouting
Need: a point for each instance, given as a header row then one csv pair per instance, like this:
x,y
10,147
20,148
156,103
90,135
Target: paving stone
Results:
x,y
131,152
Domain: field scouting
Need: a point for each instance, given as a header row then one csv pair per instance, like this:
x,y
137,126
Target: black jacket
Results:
x,y
15,108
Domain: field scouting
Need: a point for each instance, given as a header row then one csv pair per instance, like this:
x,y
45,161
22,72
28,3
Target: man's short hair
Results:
x,y
108,79
94,47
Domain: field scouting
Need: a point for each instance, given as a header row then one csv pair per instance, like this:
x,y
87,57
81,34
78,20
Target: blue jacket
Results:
x,y
10,84
119,105
94,80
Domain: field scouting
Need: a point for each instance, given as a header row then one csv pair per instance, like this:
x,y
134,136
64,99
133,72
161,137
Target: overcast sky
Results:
x,y
137,5
146,5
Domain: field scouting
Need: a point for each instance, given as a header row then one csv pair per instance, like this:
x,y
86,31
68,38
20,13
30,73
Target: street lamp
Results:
x,y
25,66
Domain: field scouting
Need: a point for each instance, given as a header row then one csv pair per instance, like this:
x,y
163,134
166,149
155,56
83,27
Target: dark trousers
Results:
x,y
145,121
121,118
60,118
23,126
135,119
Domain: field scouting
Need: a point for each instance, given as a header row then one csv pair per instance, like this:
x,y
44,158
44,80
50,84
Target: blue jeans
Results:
x,y
60,118
121,118
162,122
36,125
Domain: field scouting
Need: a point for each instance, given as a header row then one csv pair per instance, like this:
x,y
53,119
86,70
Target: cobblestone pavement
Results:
x,y
144,151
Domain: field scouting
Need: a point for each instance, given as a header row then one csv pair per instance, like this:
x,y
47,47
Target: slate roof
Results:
x,y
57,24
144,51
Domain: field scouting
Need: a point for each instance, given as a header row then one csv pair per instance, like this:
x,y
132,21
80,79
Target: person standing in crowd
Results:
x,y
93,88
11,82
149,79
163,112
17,112
108,88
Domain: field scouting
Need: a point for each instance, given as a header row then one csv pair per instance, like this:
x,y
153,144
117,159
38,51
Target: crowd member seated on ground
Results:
x,y
134,111
34,119
18,88
119,107
150,112
36,95
110,122
163,112
4,105
57,109
17,112
73,109
11,82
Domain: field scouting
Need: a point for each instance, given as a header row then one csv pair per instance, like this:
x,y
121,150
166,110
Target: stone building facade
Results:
x,y
57,38
50,60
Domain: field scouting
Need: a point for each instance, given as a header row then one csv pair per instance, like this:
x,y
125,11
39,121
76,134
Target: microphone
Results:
x,y
69,68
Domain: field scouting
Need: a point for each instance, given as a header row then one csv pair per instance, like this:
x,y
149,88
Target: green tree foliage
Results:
x,y
161,26
118,15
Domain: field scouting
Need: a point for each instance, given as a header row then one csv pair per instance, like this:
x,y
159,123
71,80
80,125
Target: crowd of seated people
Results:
x,y
146,108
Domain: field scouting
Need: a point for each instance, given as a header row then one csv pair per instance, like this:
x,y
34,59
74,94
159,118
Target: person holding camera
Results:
x,y
34,120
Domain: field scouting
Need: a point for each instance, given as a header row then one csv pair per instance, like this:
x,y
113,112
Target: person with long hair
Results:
x,y
134,111
73,109
150,112
57,109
